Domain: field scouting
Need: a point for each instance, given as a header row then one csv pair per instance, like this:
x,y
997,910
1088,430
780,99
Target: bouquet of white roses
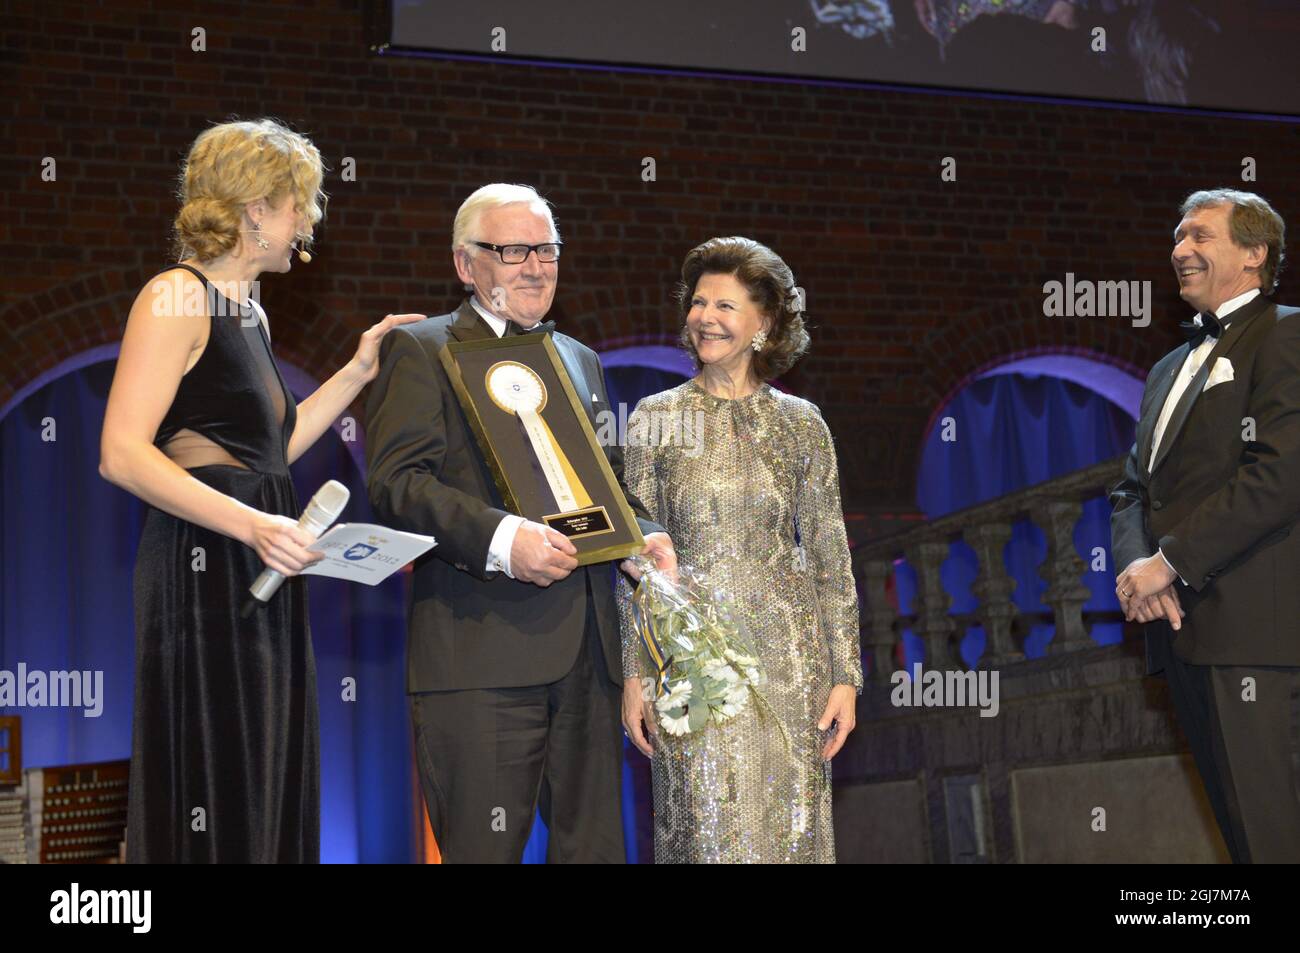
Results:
x,y
707,671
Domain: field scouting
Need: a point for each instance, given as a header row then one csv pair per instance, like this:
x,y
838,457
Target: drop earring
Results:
x,y
261,242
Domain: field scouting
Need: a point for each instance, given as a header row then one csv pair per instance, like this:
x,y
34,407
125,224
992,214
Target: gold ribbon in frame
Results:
x,y
516,389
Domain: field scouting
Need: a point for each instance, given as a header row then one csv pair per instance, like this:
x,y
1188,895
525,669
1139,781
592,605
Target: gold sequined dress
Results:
x,y
733,481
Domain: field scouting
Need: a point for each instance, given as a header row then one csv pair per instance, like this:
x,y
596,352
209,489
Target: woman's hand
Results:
x,y
281,545
659,547
366,361
842,709
637,709
333,397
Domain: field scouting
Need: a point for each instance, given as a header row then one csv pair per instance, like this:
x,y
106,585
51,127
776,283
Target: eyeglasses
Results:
x,y
518,254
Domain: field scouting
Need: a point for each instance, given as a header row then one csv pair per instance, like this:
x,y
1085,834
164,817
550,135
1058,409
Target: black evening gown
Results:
x,y
225,759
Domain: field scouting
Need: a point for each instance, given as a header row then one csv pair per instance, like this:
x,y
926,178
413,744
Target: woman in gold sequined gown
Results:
x,y
744,479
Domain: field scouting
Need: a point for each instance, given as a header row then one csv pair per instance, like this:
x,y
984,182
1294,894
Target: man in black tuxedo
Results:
x,y
513,653
1203,521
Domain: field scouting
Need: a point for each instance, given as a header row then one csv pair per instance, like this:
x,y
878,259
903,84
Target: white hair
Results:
x,y
464,230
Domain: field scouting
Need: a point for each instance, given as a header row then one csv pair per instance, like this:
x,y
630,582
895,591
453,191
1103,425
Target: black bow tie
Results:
x,y
1210,327
513,328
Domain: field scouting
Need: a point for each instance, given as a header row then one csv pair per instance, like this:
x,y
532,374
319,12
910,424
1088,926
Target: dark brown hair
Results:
x,y
771,286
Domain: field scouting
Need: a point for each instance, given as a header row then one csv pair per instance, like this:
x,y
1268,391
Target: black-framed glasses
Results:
x,y
518,254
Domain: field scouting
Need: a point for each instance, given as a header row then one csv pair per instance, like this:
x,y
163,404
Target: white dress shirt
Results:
x,y
1191,366
499,550
498,325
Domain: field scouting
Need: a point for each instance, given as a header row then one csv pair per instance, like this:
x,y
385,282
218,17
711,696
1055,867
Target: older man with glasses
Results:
x,y
514,665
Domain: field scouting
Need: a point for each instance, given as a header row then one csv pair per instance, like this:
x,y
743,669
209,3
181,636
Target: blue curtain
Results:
x,y
68,541
1010,431
67,544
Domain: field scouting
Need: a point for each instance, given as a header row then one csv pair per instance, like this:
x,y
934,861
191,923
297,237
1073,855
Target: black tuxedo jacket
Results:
x,y
1223,496
468,627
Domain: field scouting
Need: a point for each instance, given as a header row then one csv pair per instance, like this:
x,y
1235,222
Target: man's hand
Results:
x,y
540,555
1144,577
1162,604
659,547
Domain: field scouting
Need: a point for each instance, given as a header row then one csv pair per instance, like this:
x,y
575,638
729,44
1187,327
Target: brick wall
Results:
x,y
912,283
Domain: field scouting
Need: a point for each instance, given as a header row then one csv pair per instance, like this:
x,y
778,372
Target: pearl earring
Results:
x,y
261,242
759,340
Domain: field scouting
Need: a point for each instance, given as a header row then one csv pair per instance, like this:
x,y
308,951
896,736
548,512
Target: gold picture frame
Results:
x,y
540,444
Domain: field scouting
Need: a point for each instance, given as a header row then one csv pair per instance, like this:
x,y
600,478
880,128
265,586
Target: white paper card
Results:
x,y
363,552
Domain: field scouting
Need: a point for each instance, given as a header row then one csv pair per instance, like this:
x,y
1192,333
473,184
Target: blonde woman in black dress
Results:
x,y
225,759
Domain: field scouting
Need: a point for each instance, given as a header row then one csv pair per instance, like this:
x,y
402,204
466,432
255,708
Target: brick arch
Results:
x,y
311,335
1009,330
611,317
48,328
1018,328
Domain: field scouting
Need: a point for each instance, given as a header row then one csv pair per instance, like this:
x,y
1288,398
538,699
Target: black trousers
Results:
x,y
489,758
1244,750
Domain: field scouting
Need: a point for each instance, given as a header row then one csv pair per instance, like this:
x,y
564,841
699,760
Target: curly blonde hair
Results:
x,y
771,286
232,164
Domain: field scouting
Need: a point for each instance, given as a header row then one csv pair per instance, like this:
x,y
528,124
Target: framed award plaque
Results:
x,y
539,443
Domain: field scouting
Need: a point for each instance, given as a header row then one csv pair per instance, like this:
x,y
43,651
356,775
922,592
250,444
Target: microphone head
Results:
x,y
304,256
327,504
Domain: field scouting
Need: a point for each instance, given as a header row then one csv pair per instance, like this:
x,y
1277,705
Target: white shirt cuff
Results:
x,y
499,551
1171,566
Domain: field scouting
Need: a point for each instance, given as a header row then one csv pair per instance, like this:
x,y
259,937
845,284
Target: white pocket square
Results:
x,y
1221,372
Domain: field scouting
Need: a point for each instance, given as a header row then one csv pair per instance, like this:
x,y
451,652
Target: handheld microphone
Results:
x,y
323,510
